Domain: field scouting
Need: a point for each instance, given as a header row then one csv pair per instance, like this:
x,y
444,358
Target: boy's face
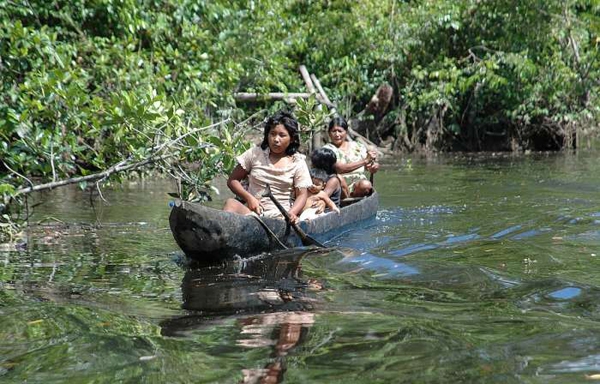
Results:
x,y
318,186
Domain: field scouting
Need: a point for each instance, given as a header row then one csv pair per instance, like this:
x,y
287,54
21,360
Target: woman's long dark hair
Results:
x,y
291,125
338,122
324,158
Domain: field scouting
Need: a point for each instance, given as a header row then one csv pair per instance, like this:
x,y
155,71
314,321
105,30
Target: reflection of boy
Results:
x,y
316,193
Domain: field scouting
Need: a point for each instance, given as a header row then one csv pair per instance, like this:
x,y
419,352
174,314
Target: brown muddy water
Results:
x,y
478,269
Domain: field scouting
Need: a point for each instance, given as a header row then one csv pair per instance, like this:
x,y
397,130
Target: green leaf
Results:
x,y
7,189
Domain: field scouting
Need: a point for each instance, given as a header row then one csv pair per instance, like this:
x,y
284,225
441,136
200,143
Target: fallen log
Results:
x,y
251,96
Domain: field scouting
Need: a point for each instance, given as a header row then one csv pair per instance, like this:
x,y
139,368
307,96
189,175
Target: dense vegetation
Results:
x,y
91,86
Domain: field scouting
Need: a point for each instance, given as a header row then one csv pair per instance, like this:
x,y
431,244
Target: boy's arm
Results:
x,y
325,197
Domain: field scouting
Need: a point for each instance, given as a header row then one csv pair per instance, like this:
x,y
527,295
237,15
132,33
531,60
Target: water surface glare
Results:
x,y
477,269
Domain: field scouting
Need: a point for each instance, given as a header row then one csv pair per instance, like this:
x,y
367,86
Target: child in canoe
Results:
x,y
317,196
325,192
275,162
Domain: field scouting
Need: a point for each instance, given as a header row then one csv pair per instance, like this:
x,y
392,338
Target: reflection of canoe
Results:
x,y
242,288
207,234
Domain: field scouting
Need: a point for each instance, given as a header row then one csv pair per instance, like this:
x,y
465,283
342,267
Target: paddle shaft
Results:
x,y
269,231
306,239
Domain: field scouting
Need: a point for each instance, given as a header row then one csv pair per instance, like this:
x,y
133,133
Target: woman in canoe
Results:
x,y
353,158
276,162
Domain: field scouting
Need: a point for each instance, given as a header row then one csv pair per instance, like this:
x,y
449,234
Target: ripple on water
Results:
x,y
565,293
530,233
506,231
413,248
559,297
589,364
451,239
588,236
377,264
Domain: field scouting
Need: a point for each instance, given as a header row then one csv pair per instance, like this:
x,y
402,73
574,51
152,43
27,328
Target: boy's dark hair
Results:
x,y
291,125
338,122
325,159
318,173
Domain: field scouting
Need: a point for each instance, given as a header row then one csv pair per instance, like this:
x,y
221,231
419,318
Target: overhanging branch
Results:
x,y
119,167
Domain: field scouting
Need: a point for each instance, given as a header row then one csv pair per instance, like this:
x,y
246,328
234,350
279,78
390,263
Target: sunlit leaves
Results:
x,y
311,116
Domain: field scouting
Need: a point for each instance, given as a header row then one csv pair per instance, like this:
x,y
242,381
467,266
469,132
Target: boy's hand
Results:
x,y
320,205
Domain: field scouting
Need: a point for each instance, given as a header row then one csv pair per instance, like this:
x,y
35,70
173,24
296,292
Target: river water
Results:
x,y
477,269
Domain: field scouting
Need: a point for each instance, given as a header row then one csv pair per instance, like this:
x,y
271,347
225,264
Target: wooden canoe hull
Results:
x,y
210,235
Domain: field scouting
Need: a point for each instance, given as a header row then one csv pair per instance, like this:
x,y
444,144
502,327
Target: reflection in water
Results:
x,y
267,294
289,328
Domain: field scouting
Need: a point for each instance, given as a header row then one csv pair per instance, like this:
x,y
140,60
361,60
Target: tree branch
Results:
x,y
249,96
119,167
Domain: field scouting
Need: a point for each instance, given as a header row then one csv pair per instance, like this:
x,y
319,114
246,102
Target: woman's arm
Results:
x,y
234,183
344,185
349,167
370,158
331,186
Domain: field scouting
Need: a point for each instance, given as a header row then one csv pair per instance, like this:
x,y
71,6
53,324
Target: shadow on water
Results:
x,y
268,297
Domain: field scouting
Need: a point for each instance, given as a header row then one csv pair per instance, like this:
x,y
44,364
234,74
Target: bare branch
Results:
x,y
119,167
178,139
18,174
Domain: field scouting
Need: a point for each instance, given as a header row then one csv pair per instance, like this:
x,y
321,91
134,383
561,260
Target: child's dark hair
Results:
x,y
291,125
318,173
338,122
325,159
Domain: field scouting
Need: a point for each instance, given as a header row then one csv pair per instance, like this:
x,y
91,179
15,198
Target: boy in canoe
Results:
x,y
324,159
317,194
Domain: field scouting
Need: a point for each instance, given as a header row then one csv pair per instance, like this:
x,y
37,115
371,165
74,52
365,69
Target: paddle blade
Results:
x,y
307,239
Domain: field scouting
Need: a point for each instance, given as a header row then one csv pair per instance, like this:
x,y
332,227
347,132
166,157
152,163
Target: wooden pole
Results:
x,y
292,96
306,77
249,96
328,102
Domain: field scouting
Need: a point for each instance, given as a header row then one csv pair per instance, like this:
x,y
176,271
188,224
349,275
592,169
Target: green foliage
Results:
x,y
88,84
312,117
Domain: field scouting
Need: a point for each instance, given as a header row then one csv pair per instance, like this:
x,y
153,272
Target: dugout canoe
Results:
x,y
209,235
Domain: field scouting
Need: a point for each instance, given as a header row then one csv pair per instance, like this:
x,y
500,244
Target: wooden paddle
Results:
x,y
269,231
306,239
372,180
